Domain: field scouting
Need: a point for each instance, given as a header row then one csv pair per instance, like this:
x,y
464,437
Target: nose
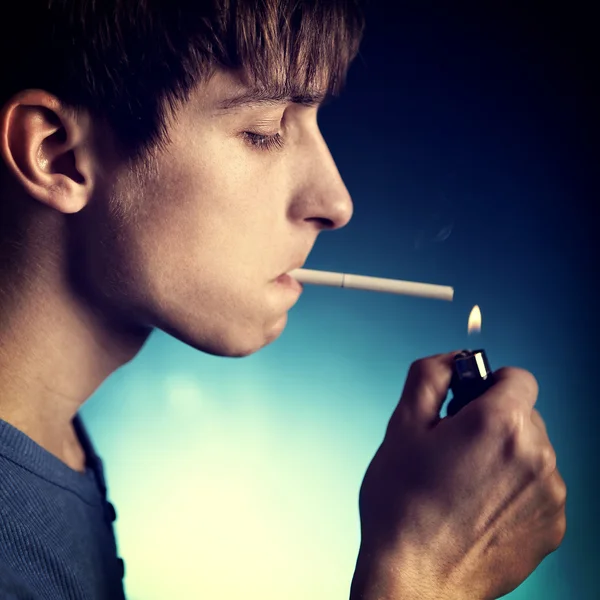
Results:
x,y
322,197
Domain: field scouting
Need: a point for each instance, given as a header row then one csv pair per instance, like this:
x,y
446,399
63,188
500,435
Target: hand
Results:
x,y
463,507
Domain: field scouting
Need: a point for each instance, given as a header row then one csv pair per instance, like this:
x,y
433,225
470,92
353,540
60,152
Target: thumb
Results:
x,y
424,393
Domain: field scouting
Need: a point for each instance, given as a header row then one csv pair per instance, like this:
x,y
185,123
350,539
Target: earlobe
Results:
x,y
45,148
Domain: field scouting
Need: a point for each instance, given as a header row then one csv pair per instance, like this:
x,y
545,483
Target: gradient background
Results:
x,y
465,137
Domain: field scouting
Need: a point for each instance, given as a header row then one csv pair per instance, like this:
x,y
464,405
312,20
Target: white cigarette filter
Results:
x,y
375,284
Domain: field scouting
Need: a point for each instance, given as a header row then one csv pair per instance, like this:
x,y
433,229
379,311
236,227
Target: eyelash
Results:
x,y
262,142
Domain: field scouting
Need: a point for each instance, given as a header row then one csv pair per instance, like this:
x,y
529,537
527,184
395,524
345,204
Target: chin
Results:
x,y
232,343
245,347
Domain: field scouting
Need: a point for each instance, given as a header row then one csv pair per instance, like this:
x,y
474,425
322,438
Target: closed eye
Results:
x,y
259,141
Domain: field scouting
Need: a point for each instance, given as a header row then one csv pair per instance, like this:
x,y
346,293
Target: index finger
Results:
x,y
424,392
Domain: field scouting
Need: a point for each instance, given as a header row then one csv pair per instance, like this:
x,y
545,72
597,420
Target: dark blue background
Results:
x,y
486,118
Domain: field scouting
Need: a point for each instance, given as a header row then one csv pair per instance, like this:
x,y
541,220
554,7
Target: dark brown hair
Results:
x,y
130,62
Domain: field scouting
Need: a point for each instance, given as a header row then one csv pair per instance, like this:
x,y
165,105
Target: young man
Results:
x,y
162,166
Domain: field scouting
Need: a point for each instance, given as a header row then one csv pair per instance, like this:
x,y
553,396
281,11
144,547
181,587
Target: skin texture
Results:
x,y
193,247
463,507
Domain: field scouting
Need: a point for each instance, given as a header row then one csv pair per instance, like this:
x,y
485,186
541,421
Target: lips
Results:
x,y
288,281
298,265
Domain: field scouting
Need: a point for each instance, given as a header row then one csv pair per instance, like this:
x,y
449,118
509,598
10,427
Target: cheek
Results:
x,y
194,254
213,216
202,299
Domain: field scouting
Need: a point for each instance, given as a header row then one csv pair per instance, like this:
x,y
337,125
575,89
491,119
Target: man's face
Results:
x,y
203,239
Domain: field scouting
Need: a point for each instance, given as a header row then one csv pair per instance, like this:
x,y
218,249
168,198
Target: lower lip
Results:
x,y
289,282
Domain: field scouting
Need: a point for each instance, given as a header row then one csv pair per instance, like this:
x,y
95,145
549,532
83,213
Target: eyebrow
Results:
x,y
257,97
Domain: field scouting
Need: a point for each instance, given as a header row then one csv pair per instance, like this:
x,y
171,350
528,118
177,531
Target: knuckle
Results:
x,y
559,491
546,461
536,419
497,421
510,422
526,381
514,421
426,374
520,381
421,368
558,530
530,383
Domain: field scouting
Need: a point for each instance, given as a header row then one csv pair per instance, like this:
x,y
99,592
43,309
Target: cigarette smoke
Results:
x,y
436,226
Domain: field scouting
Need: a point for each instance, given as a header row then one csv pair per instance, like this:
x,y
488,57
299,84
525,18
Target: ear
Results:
x,y
48,150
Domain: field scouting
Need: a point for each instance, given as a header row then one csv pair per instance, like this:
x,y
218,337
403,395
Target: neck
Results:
x,y
55,351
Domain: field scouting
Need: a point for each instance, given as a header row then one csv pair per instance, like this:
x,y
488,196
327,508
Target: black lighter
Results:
x,y
471,377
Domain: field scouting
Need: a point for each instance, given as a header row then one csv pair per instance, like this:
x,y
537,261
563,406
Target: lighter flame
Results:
x,y
474,320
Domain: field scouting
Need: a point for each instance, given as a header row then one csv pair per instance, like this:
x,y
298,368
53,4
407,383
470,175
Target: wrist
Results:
x,y
378,576
373,579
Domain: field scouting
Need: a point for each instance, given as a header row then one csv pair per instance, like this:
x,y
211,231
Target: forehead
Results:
x,y
227,90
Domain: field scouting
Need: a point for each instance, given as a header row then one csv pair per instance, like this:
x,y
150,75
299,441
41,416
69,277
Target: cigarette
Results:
x,y
375,284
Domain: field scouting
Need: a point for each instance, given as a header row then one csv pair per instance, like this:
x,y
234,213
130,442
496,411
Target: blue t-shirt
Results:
x,y
56,525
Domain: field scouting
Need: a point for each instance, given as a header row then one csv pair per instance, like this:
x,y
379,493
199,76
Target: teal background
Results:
x,y
465,139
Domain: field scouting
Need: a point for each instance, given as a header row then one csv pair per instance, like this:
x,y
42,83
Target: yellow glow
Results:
x,y
474,320
241,505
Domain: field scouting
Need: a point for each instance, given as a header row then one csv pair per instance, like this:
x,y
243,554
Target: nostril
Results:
x,y
323,222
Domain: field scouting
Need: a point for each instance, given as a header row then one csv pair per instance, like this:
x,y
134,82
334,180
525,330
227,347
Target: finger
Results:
x,y
533,449
514,389
543,505
558,490
542,457
552,497
547,459
424,392
538,421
